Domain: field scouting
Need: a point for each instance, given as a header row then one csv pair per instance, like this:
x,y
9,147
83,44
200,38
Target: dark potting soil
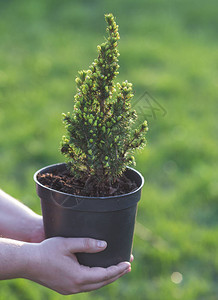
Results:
x,y
64,182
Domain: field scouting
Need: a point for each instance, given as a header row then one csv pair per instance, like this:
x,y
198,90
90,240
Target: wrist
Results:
x,y
19,222
32,260
35,232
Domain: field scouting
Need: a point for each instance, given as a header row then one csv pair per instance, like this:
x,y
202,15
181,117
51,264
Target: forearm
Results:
x,y
14,258
17,221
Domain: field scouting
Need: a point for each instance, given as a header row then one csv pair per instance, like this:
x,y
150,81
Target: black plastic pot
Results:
x,y
106,218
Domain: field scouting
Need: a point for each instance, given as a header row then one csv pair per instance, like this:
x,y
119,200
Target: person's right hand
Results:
x,y
54,265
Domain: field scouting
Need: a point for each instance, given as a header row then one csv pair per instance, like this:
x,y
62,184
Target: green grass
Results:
x,y
168,48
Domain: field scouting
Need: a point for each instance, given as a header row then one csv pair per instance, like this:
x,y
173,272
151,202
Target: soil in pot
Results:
x,y
64,181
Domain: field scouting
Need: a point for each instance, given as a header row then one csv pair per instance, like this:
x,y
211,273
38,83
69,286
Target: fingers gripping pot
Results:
x,y
105,218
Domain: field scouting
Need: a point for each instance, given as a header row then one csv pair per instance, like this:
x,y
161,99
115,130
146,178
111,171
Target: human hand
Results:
x,y
53,264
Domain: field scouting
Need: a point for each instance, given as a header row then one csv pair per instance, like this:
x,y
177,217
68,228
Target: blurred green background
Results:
x,y
169,52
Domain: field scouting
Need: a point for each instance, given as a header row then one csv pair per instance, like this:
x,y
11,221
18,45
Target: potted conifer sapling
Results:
x,y
95,193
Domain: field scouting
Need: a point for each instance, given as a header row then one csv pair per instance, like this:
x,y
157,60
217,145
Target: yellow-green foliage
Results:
x,y
100,138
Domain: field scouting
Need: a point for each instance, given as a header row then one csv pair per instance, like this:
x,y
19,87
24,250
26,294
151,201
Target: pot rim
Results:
x,y
86,197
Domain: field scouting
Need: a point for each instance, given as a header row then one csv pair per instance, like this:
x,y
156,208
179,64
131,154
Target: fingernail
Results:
x,y
125,267
128,270
101,244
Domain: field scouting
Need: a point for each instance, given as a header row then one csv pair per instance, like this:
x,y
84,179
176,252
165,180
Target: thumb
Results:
x,y
87,245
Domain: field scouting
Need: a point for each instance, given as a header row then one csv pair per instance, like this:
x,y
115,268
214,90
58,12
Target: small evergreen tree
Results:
x,y
100,136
